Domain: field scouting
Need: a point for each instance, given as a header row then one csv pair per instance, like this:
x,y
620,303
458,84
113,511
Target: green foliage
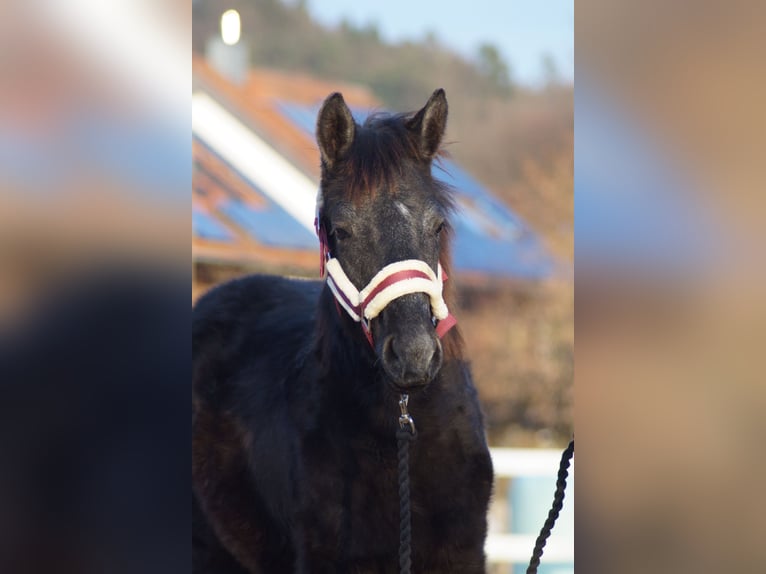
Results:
x,y
550,70
494,68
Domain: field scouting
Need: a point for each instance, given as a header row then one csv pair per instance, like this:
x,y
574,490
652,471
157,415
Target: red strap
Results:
x,y
324,250
449,321
391,279
368,333
348,303
445,325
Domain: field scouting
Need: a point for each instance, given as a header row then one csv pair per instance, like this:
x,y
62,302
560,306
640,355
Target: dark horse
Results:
x,y
295,411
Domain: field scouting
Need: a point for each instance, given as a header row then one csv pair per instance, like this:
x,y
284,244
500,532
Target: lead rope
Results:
x,y
553,514
404,436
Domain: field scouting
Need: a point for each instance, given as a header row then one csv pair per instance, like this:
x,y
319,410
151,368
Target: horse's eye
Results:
x,y
339,233
439,228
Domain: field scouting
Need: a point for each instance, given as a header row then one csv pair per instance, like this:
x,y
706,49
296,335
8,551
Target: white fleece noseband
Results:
x,y
393,281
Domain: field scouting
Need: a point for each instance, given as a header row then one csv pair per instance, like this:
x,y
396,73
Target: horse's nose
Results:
x,y
412,360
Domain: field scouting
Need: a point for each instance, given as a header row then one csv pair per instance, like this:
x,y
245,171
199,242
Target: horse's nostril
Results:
x,y
390,355
436,360
411,360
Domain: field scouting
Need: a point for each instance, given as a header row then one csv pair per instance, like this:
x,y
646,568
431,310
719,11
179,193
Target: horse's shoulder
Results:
x,y
255,320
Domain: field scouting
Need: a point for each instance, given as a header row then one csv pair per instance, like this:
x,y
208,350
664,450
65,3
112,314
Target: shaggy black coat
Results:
x,y
294,451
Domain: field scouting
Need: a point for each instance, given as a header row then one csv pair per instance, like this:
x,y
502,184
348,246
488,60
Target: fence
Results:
x,y
525,480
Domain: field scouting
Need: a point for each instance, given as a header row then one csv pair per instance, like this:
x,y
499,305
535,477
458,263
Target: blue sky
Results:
x,y
523,30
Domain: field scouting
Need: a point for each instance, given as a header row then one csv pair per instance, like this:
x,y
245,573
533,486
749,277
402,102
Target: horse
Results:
x,y
298,385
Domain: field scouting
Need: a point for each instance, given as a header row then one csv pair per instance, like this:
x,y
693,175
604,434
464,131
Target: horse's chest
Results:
x,y
345,488
352,498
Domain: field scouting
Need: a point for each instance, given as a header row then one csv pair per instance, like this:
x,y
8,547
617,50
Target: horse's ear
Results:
x,y
335,129
429,124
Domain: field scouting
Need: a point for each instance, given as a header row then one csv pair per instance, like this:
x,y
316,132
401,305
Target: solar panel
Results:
x,y
270,226
206,227
523,257
304,117
267,223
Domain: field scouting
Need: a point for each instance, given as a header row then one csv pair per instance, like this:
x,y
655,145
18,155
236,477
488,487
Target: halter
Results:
x,y
391,282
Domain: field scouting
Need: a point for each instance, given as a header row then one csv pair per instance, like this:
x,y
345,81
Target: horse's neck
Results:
x,y
349,373
343,352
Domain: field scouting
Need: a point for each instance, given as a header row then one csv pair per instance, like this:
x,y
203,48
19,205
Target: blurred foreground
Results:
x,y
671,316
94,321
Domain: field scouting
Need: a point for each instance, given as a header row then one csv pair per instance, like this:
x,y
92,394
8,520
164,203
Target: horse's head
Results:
x,y
378,206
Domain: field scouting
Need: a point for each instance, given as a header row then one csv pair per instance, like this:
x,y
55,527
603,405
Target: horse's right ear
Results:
x,y
335,129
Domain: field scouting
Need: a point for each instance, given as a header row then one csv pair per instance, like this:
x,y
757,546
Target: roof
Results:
x,y
256,172
233,221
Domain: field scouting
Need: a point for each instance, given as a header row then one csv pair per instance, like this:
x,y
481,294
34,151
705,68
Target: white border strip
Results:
x,y
509,462
503,547
517,548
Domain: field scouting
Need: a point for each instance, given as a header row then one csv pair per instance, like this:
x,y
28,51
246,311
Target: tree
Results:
x,y
494,68
431,40
551,74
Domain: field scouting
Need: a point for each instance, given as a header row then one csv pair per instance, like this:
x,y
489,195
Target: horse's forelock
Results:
x,y
383,149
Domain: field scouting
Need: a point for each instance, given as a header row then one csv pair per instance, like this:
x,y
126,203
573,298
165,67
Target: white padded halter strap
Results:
x,y
393,281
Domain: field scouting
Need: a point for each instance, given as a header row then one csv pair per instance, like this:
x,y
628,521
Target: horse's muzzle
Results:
x,y
411,360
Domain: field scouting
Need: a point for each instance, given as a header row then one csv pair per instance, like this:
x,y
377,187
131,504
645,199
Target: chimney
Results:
x,y
226,51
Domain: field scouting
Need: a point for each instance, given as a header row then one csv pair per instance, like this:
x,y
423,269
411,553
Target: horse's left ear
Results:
x,y
429,124
335,129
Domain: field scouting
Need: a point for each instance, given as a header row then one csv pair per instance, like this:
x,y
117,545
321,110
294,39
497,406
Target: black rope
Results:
x,y
403,438
553,514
